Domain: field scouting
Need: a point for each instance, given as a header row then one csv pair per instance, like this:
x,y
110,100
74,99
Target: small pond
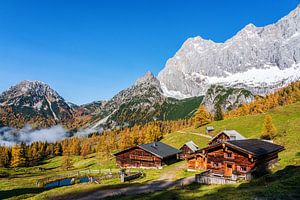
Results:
x,y
68,181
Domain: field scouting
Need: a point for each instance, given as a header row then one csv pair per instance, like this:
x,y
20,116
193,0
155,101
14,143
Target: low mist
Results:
x,y
10,136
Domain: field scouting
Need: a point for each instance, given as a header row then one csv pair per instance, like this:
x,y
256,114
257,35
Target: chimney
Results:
x,y
154,144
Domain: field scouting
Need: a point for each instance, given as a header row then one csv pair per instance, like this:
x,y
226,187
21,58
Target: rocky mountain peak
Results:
x,y
147,78
28,88
260,59
31,99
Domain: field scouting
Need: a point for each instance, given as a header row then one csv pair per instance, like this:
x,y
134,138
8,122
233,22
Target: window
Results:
x,y
228,155
216,165
232,138
243,169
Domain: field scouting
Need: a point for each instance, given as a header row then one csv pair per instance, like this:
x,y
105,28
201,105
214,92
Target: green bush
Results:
x,y
4,174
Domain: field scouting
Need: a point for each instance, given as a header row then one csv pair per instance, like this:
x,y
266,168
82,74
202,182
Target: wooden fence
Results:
x,y
102,174
125,178
207,178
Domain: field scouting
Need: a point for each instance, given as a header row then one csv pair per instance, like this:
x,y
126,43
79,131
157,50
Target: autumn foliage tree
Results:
x,y
202,117
4,157
269,131
104,144
18,156
67,162
85,149
284,96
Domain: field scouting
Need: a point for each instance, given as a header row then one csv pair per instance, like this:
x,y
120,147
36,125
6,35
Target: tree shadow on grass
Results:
x,y
5,194
283,184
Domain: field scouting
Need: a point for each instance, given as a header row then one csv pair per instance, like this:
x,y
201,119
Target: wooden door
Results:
x,y
228,169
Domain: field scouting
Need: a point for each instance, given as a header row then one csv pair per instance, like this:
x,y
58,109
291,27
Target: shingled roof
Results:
x,y
255,147
158,149
191,145
232,134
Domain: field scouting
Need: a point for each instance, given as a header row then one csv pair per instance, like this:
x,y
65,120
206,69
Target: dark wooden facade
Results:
x,y
188,149
185,151
137,157
197,161
227,160
151,155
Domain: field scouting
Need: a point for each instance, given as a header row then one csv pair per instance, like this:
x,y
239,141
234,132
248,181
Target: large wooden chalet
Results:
x,y
236,159
151,155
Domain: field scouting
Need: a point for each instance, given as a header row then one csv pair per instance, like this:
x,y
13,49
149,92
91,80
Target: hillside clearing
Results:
x,y
282,183
284,180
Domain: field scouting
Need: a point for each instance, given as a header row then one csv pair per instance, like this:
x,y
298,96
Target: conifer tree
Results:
x,y
202,117
75,147
85,149
102,149
218,113
269,130
57,149
67,162
18,156
4,157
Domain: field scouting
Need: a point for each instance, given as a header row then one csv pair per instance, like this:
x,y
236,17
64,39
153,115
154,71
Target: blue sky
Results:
x,y
90,50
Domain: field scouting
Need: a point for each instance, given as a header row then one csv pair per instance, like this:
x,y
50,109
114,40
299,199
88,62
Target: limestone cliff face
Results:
x,y
259,59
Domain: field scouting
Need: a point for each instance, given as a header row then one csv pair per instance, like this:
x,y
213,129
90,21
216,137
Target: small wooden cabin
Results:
x,y
188,149
236,159
225,136
151,155
209,129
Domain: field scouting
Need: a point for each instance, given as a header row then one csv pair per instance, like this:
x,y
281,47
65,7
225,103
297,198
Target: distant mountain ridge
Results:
x,y
141,103
256,61
259,59
33,102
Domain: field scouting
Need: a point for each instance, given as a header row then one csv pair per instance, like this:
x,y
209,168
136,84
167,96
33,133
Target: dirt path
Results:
x,y
200,134
166,180
134,190
171,175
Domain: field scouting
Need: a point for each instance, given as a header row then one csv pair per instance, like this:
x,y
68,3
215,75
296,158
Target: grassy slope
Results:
x,y
286,119
22,184
180,109
283,183
177,139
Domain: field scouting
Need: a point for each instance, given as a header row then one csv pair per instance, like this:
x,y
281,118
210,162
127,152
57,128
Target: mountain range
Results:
x,y
259,59
256,61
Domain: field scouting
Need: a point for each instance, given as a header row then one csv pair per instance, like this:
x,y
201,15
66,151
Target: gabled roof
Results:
x,y
158,149
191,145
255,147
232,134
